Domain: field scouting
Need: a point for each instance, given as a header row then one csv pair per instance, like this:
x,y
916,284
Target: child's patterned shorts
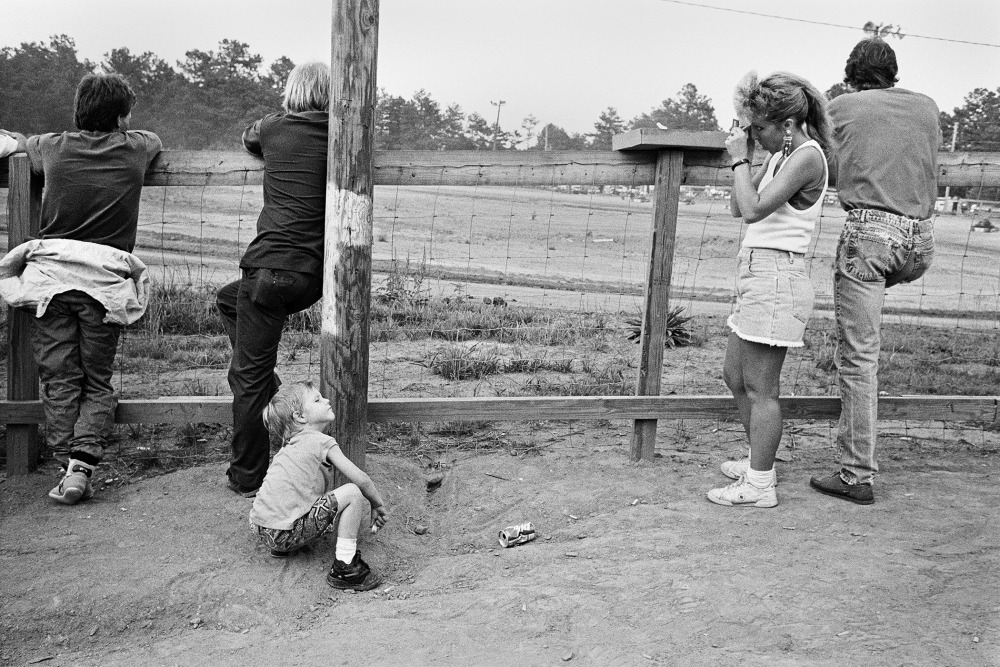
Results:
x,y
319,520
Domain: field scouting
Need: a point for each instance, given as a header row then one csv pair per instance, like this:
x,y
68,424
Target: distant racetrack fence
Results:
x,y
511,295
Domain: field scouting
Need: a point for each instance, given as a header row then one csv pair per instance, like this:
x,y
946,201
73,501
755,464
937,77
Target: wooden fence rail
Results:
x,y
512,168
668,159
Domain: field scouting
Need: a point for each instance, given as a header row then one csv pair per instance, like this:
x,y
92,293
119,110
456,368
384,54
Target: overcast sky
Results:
x,y
563,61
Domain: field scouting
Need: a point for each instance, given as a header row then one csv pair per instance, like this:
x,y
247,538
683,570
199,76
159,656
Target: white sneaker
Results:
x,y
735,469
743,493
75,484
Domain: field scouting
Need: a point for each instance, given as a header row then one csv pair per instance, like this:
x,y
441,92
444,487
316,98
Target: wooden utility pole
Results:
x,y
496,126
347,266
954,140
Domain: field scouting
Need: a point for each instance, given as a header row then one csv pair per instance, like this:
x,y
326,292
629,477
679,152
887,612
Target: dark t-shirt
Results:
x,y
93,181
886,142
290,226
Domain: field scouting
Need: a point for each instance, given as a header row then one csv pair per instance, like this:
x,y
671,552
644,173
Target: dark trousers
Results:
x,y
253,311
75,351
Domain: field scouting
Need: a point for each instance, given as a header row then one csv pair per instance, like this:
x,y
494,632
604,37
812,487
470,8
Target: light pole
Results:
x,y
496,126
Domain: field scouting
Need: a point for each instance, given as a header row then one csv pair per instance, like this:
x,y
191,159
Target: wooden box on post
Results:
x,y
24,202
671,146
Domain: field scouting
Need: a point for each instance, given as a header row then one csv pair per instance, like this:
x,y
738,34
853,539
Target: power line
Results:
x,y
823,23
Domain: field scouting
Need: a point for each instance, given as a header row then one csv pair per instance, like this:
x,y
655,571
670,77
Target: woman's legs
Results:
x,y
752,372
732,374
761,381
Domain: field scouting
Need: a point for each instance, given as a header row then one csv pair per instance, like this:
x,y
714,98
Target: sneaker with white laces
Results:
x,y
735,469
743,494
75,484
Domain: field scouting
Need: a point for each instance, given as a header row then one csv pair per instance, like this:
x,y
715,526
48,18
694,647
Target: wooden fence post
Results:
x,y
669,173
24,202
348,261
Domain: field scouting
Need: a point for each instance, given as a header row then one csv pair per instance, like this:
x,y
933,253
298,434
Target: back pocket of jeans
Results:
x,y
265,292
868,255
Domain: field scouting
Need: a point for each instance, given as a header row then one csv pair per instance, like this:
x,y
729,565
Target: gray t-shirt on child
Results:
x,y
297,477
93,181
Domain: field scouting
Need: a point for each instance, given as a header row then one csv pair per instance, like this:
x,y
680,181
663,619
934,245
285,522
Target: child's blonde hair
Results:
x,y
279,415
308,88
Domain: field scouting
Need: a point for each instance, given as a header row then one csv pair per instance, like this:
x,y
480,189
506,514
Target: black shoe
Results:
x,y
245,491
835,486
282,553
356,576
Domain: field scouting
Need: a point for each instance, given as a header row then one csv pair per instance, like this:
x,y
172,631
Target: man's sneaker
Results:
x,y
735,469
356,576
834,485
743,493
239,489
75,484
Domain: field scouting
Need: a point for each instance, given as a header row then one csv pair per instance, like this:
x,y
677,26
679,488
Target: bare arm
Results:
x,y
755,179
741,147
339,460
800,170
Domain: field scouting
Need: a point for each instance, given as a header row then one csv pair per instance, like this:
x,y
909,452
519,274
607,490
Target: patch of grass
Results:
x,y
924,359
614,377
522,364
180,308
457,362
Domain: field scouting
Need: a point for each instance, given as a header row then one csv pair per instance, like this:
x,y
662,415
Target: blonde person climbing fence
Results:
x,y
282,268
780,203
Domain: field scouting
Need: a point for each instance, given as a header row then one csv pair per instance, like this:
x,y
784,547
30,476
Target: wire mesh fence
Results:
x,y
487,290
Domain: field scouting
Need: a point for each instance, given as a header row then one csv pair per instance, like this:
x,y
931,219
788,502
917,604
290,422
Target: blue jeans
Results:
x,y
253,311
75,350
876,250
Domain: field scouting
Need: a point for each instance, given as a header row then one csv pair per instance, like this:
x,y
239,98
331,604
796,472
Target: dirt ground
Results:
x,y
633,565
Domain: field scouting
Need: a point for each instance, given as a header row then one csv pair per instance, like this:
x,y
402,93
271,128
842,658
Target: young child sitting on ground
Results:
x,y
295,505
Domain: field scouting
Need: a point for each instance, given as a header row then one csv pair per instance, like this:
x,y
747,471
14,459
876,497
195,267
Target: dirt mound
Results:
x,y
632,566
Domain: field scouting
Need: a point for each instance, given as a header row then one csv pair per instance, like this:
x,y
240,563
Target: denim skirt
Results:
x,y
774,297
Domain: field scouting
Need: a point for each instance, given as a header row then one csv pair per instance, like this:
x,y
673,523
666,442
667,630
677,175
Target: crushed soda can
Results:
x,y
511,536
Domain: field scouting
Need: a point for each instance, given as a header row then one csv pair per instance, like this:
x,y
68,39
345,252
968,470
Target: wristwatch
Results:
x,y
743,161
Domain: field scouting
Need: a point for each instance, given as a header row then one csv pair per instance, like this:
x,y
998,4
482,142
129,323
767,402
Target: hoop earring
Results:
x,y
786,147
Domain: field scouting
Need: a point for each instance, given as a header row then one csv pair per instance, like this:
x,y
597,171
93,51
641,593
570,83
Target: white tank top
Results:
x,y
787,228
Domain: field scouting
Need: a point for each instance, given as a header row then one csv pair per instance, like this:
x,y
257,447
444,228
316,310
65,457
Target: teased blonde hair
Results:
x,y
780,96
308,88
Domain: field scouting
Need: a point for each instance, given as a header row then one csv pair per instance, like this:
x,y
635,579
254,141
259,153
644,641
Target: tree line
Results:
x,y
211,96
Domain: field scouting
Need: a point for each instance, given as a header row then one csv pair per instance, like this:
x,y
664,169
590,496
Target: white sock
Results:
x,y
346,548
761,479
